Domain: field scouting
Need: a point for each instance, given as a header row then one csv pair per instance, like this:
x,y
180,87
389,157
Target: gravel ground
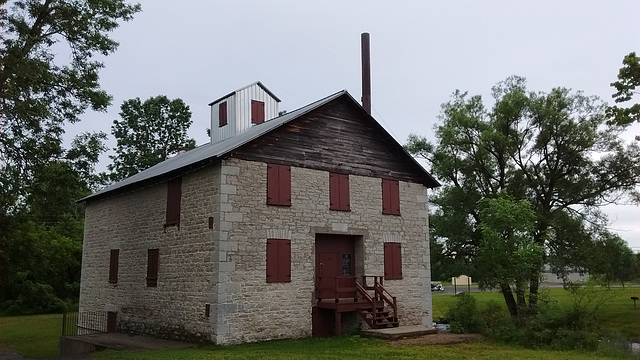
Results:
x,y
441,338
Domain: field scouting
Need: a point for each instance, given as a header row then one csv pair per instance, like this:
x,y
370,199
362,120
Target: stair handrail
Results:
x,y
376,279
386,296
339,290
363,292
365,295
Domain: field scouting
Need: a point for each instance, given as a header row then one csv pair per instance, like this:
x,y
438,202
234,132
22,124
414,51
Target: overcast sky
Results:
x,y
421,51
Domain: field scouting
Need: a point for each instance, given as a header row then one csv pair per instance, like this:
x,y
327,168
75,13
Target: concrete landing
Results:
x,y
72,346
398,332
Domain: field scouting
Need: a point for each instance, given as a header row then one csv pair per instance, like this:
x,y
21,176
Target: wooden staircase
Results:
x,y
380,308
375,304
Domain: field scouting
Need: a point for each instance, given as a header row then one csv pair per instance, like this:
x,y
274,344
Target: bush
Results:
x,y
561,329
551,327
34,298
498,324
465,317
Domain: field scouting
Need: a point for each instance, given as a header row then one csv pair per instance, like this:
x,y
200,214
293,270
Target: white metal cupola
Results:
x,y
241,109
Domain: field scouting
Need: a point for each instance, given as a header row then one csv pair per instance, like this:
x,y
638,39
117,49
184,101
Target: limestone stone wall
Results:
x,y
250,309
226,266
133,222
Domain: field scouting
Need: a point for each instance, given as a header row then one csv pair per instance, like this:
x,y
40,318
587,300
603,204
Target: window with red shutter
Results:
x,y
390,197
113,265
153,257
174,196
222,114
339,192
278,260
257,112
392,261
278,184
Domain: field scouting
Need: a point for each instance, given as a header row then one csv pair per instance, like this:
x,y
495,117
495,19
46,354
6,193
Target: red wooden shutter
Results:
x,y
113,265
153,256
284,181
257,112
174,196
345,201
278,260
339,192
272,184
278,184
392,260
222,113
390,197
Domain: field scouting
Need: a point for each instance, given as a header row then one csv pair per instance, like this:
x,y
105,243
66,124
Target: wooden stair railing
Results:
x,y
342,289
375,313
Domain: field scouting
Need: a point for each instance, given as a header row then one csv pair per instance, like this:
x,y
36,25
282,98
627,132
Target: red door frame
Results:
x,y
335,258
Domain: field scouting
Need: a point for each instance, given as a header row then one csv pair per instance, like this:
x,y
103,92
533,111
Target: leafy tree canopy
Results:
x,y
612,259
48,78
148,133
39,91
628,80
549,149
506,252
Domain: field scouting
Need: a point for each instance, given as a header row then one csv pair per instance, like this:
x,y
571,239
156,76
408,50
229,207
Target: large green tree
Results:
x,y
148,133
50,61
49,75
628,81
550,149
506,252
612,259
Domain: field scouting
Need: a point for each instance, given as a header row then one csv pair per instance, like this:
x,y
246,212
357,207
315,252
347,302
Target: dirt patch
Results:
x,y
6,354
441,338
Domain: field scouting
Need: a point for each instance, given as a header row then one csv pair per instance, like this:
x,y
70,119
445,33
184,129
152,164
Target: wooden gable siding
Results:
x,y
337,137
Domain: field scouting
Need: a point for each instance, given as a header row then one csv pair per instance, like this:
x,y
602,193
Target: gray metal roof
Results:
x,y
210,151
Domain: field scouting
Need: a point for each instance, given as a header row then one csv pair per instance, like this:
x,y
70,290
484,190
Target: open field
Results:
x,y
36,337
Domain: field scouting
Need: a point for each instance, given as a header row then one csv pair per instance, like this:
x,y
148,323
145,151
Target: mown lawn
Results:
x,y
352,347
36,337
33,336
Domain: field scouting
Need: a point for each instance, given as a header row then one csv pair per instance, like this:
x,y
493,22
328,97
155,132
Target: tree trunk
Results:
x,y
510,300
522,305
534,285
536,267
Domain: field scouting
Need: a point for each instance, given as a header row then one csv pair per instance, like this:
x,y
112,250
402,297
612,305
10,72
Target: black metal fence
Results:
x,y
83,323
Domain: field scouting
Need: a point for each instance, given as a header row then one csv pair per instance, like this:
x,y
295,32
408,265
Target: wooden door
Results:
x,y
335,265
112,321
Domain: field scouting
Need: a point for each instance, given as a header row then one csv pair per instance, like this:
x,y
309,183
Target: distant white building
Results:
x,y
550,277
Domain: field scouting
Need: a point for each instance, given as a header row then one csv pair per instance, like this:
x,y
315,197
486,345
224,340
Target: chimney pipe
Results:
x,y
366,73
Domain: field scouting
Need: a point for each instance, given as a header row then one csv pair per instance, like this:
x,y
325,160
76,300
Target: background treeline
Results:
x,y
41,222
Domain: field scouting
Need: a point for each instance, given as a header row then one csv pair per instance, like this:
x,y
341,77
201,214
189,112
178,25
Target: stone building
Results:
x,y
292,226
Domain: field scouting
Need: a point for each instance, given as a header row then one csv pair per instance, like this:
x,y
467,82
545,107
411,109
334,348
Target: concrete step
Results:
x,y
398,332
74,346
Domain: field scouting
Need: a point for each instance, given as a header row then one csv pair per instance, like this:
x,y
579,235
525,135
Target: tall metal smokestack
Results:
x,y
366,73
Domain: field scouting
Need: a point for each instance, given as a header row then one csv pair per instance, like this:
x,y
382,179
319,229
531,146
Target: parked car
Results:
x,y
437,287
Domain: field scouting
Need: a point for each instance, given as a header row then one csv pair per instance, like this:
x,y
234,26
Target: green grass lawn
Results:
x,y
617,315
33,336
36,337
352,347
